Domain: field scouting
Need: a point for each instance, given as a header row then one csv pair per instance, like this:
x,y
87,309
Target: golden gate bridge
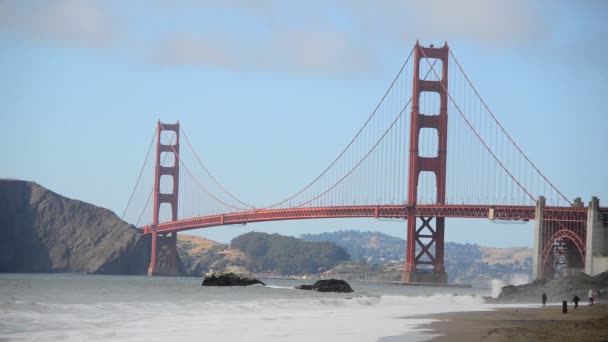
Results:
x,y
431,149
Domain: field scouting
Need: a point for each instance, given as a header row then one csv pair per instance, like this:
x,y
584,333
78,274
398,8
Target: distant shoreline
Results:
x,y
587,323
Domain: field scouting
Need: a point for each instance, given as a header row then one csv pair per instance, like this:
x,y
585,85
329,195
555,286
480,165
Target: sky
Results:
x,y
271,91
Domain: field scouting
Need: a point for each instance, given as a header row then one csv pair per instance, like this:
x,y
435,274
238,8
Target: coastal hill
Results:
x,y
378,253
374,256
260,253
41,231
200,255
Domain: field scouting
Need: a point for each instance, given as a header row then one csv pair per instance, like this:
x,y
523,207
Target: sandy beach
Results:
x,y
587,323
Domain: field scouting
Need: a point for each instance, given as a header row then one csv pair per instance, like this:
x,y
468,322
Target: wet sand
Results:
x,y
587,323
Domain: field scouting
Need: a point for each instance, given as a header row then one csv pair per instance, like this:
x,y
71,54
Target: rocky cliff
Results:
x,y
41,231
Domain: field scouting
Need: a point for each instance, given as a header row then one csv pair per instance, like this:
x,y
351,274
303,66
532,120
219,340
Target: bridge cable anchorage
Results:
x,y
505,132
374,112
152,190
476,133
141,171
199,183
211,175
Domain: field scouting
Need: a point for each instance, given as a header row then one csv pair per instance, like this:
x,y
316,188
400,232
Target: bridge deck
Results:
x,y
519,213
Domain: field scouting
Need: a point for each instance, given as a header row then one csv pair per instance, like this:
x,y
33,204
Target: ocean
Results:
x,y
76,307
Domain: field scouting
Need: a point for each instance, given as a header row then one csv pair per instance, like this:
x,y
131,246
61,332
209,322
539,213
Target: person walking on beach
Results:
x,y
575,301
544,298
590,297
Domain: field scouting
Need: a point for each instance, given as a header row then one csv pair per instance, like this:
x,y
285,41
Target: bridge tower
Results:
x,y
425,235
163,258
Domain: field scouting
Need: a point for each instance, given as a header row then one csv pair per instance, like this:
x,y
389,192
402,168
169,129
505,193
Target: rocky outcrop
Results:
x,y
231,276
557,290
328,285
41,231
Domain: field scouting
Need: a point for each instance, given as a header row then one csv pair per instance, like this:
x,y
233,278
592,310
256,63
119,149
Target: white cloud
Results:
x,y
66,22
301,51
485,22
185,49
340,37
319,51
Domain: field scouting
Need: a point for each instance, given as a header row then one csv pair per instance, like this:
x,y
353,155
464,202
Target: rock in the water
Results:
x,y
304,287
328,285
231,276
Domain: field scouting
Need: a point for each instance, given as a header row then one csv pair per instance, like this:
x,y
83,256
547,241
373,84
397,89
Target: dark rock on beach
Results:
x,y
231,276
328,285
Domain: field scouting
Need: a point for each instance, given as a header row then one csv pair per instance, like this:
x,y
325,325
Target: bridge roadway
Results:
x,y
500,212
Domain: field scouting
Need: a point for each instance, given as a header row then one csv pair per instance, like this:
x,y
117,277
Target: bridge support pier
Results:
x,y
596,258
538,239
561,242
163,258
425,247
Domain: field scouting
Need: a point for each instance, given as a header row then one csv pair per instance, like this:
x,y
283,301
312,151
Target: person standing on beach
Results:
x,y
544,298
575,301
590,297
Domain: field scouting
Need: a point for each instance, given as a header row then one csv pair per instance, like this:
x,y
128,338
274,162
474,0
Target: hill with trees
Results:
x,y
260,253
288,255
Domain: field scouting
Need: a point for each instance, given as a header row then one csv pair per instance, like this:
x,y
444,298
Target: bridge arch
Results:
x,y
556,241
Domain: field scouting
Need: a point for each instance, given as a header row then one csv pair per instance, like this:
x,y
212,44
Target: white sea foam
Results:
x,y
181,310
513,279
356,319
280,287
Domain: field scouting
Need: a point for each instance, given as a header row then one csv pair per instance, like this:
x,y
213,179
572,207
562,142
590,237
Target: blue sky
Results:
x,y
270,91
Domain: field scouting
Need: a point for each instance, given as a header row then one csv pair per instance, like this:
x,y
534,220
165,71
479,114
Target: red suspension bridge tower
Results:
x,y
424,257
163,257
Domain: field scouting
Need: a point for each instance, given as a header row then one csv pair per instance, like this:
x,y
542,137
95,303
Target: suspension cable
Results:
x,y
152,190
351,142
505,132
210,175
140,174
473,129
198,182
364,157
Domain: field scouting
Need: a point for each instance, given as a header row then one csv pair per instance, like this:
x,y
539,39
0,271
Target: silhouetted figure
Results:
x,y
544,297
575,301
590,297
